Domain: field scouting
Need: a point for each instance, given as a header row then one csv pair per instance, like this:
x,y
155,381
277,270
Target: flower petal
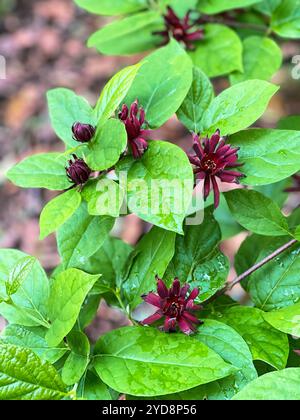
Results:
x,y
153,318
152,299
162,289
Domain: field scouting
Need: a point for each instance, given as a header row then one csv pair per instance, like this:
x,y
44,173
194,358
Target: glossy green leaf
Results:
x,y
82,235
267,6
111,8
141,361
114,92
46,170
92,388
291,122
130,35
68,292
154,85
286,19
109,261
217,6
226,342
23,376
266,344
220,52
66,108
262,58
19,274
238,107
107,146
197,101
28,304
274,386
268,155
34,339
58,211
276,285
257,213
150,258
104,197
78,359
286,320
160,186
197,259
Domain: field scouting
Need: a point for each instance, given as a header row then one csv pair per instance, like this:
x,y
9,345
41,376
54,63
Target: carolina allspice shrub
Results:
x,y
173,284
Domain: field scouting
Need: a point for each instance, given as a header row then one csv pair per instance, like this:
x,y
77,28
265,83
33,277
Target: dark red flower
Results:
x,y
134,119
83,132
214,158
175,306
183,30
78,171
296,186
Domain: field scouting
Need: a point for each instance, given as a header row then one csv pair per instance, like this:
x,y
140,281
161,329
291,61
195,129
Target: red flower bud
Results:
x,y
83,132
78,171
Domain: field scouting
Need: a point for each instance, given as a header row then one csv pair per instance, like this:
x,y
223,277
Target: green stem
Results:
x,y
123,307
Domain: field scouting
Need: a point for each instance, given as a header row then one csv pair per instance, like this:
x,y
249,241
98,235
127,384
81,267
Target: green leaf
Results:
x,y
114,92
107,146
276,191
238,107
229,227
262,58
66,108
276,285
58,211
268,155
286,19
267,7
104,197
109,8
109,261
181,8
23,376
34,339
286,320
92,388
220,52
266,344
197,101
154,85
226,342
160,186
88,311
217,6
289,123
257,213
150,258
45,170
130,35
123,361
19,274
274,386
197,259
28,304
78,359
82,235
68,292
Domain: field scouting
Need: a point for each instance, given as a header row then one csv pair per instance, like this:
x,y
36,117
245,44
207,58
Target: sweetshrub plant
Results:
x,y
172,285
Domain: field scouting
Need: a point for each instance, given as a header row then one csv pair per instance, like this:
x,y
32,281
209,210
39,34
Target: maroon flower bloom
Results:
x,y
78,171
134,119
175,306
83,132
183,30
214,158
296,186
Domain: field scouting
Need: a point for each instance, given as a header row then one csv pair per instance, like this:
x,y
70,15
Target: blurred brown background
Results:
x,y
43,43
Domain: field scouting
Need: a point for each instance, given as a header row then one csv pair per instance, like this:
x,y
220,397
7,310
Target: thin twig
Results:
x,y
251,270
